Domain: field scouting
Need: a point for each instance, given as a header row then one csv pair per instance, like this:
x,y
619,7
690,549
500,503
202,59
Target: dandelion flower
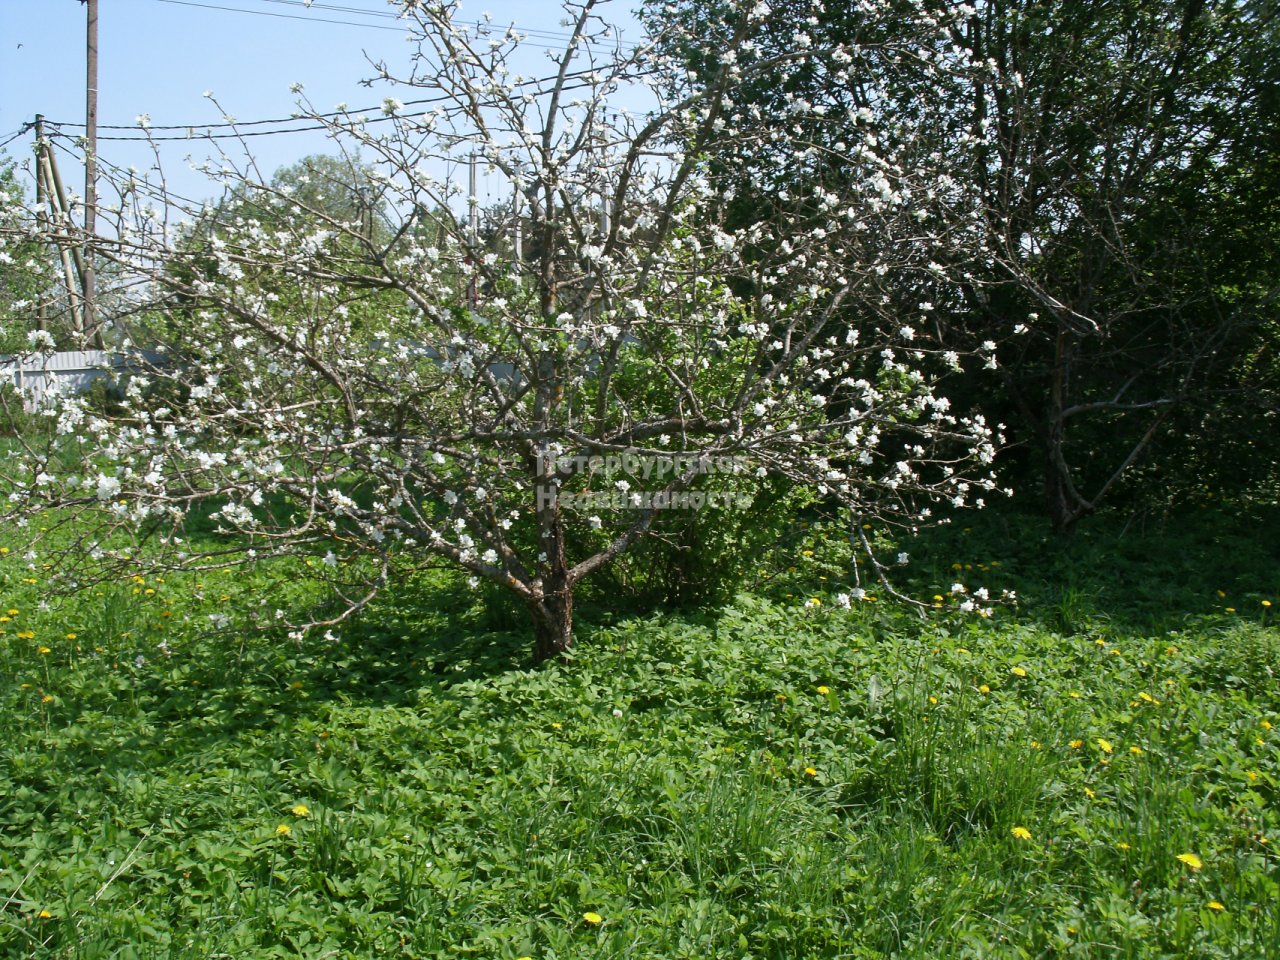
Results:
x,y
1018,672
44,915
283,830
300,810
1136,751
1022,833
1266,603
1104,745
1215,905
1076,744
984,689
1191,860
810,772
824,690
1266,724
593,918
43,650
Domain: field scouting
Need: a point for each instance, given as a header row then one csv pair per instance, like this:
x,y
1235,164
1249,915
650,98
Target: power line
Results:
x,y
386,15
314,121
356,11
14,136
283,16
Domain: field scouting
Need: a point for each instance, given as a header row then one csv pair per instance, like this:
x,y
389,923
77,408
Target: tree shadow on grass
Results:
x,y
1132,574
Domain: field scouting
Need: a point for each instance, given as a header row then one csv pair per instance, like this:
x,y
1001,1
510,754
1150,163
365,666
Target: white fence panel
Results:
x,y
68,371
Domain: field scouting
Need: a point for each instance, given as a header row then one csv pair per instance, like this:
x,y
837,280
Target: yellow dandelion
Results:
x,y
46,699
1076,744
984,689
1104,745
1136,751
554,726
810,772
1215,905
12,612
43,650
1122,845
962,650
1022,833
1191,860
1266,724
781,697
1089,793
933,701
1074,694
1147,698
1018,672
283,830
824,690
44,915
1266,603
593,918
300,810
26,634
1230,609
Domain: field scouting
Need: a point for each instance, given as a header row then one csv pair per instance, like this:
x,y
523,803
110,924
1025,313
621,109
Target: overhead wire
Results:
x,y
356,11
198,131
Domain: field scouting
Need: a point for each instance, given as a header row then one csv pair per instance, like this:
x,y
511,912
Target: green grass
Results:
x,y
683,778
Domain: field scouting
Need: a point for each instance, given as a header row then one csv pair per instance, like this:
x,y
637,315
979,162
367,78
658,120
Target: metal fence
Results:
x,y
68,371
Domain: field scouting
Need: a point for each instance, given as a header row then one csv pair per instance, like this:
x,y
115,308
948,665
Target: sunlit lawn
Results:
x,y
1091,772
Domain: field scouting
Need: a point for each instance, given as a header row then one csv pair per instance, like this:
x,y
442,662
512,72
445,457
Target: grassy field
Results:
x,y
1090,772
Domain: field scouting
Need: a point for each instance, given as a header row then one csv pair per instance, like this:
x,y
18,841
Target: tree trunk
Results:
x,y
1062,501
1064,512
552,620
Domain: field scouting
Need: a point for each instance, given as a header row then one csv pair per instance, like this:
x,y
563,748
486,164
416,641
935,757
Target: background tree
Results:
x,y
1111,147
647,350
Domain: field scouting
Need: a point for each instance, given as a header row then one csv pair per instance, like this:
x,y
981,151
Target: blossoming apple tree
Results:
x,y
525,400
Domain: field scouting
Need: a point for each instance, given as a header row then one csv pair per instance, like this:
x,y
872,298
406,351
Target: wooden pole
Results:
x,y
42,314
519,239
48,170
473,231
90,167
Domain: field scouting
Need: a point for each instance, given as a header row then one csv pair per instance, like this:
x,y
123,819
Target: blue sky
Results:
x,y
159,56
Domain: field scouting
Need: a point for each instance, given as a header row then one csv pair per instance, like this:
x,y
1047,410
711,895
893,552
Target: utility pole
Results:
x,y
518,240
90,164
473,231
42,315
